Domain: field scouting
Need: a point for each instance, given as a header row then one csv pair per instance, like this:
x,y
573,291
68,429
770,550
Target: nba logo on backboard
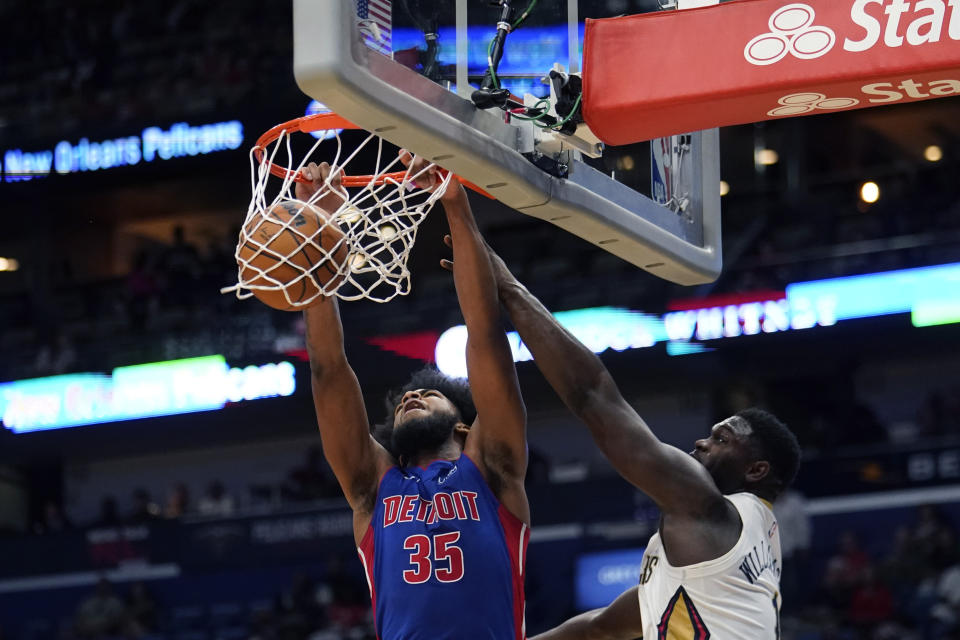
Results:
x,y
660,170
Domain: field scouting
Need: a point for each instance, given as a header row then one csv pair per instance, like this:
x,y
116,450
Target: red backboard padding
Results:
x,y
668,72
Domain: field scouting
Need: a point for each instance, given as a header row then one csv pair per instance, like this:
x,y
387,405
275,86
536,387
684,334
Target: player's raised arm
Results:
x,y
619,620
497,438
672,478
355,457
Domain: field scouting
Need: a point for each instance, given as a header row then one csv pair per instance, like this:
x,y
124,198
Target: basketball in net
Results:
x,y
349,234
291,254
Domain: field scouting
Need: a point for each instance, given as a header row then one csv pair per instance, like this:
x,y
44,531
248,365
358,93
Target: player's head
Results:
x,y
425,413
750,451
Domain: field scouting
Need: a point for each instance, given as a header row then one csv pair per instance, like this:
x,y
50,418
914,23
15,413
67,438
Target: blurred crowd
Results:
x,y
170,290
114,61
863,584
173,288
917,225
310,482
880,585
334,607
85,64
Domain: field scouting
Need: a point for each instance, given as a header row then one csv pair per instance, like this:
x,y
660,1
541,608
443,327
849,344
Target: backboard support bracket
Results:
x,y
332,64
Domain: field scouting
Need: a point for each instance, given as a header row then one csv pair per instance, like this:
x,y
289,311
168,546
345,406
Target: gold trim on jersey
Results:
x,y
681,620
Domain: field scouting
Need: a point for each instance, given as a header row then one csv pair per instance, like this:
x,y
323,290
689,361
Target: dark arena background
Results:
x,y
160,468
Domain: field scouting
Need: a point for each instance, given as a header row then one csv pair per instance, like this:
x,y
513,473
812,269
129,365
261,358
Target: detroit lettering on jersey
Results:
x,y
439,535
457,505
758,560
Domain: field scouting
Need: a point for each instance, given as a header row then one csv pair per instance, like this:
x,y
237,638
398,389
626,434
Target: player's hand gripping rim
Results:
x,y
319,178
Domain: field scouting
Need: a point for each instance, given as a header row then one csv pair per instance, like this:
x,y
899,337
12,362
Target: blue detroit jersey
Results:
x,y
443,557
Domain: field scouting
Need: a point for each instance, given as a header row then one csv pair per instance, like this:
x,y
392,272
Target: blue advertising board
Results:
x,y
602,576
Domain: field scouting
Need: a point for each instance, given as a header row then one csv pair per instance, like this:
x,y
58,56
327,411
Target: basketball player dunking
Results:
x,y
440,514
712,569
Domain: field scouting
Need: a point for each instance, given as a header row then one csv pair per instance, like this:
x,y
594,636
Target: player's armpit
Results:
x,y
619,620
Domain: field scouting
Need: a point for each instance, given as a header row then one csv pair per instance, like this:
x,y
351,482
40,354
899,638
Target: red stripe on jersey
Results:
x,y
366,558
516,535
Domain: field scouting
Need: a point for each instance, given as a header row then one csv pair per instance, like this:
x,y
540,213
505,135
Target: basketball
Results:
x,y
293,250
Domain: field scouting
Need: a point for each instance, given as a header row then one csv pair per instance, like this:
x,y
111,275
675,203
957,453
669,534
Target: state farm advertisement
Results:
x,y
669,72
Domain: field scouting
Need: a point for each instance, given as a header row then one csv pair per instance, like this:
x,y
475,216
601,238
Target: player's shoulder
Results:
x,y
748,500
746,497
392,475
751,506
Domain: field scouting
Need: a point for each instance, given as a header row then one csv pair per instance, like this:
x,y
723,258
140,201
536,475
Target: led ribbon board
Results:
x,y
153,143
929,294
759,60
599,329
141,391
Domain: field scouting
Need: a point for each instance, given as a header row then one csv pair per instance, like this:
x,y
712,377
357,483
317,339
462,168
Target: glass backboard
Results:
x,y
415,71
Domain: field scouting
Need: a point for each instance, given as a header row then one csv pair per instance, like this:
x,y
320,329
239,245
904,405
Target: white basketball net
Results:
x,y
379,223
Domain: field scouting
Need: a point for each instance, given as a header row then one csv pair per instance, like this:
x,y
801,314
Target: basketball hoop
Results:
x,y
374,213
313,123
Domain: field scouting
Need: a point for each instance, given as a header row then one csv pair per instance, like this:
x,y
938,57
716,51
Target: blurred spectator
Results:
x,y
144,508
263,625
929,523
109,516
948,590
311,481
870,604
142,291
101,614
845,570
737,395
860,426
795,532
178,502
945,551
56,355
216,501
53,519
349,600
180,266
299,610
141,611
220,265
940,414
903,567
934,537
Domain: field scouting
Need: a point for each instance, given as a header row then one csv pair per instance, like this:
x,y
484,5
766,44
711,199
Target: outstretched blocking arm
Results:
x,y
619,620
356,458
672,478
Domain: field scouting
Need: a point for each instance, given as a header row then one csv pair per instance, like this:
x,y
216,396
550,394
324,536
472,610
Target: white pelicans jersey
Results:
x,y
733,597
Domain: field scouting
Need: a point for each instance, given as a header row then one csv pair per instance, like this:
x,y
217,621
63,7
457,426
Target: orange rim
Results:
x,y
325,122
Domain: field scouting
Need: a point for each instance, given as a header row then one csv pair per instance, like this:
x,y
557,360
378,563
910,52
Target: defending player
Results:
x,y
712,569
441,519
